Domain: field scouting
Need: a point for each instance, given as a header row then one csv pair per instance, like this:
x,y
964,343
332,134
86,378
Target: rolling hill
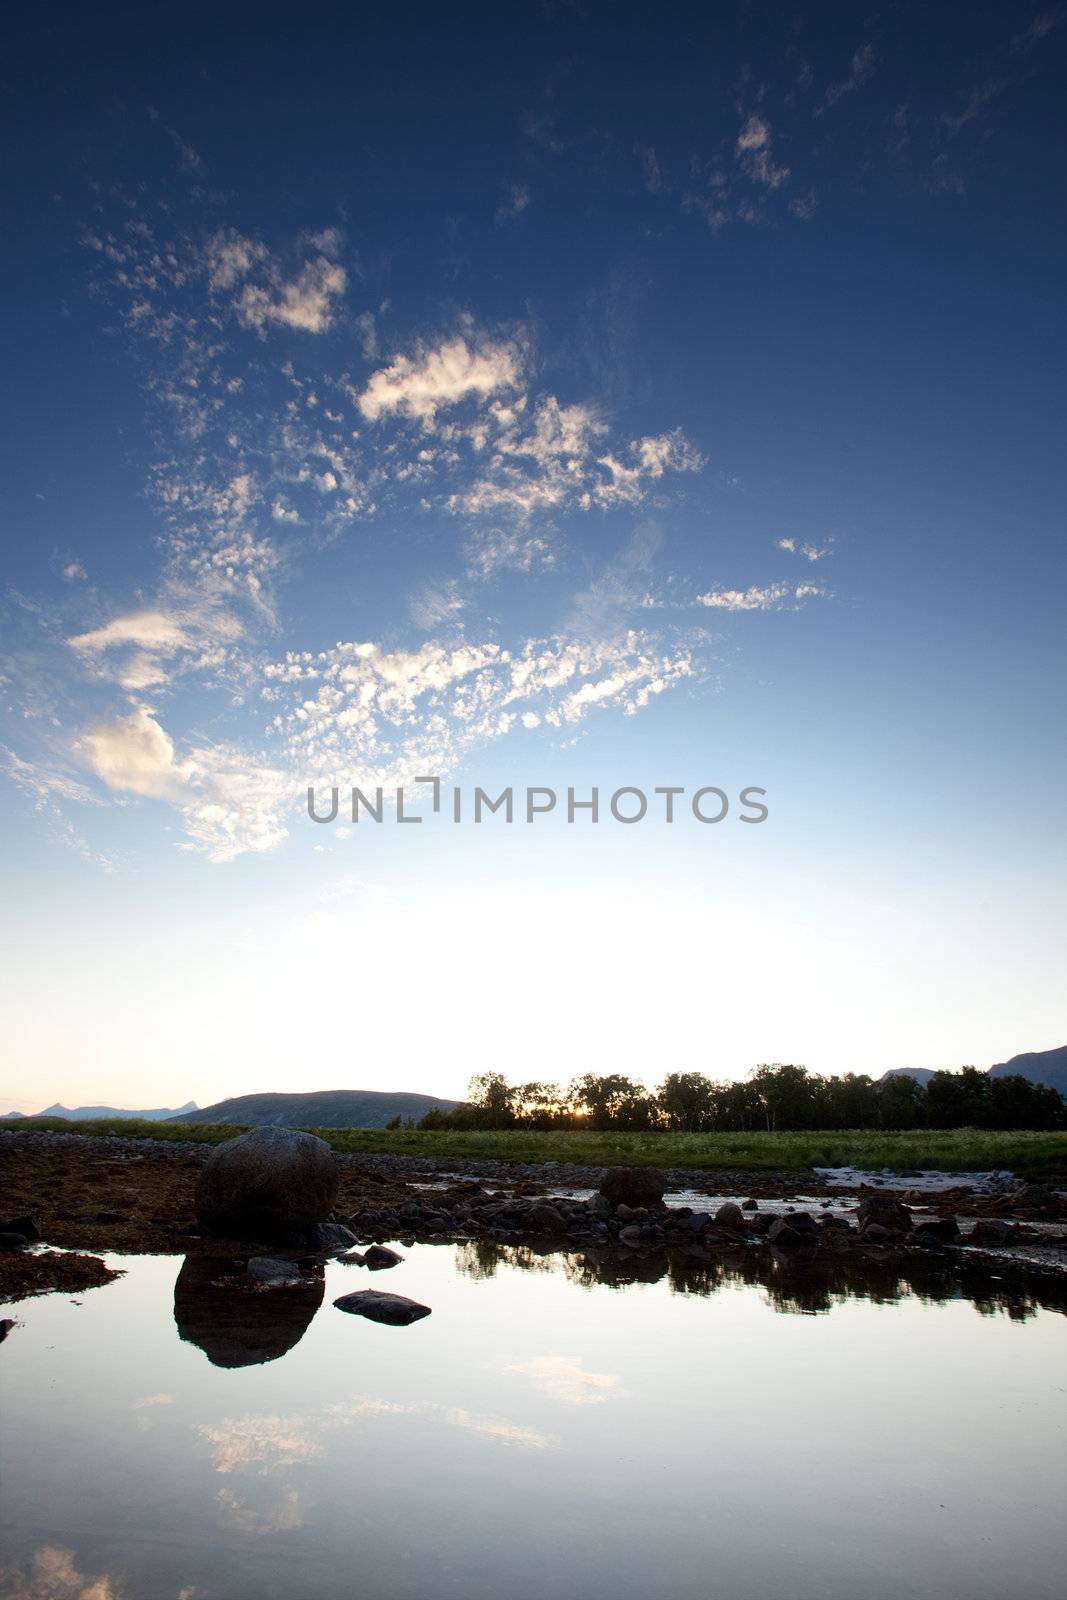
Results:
x,y
326,1108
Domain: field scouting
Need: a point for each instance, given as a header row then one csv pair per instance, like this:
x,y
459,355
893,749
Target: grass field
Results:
x,y
949,1150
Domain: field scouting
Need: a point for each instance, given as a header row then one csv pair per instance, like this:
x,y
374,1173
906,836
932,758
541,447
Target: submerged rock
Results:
x,y
395,1309
266,1183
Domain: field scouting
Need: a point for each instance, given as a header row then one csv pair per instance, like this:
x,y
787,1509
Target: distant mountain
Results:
x,y
920,1074
327,1108
1040,1066
84,1113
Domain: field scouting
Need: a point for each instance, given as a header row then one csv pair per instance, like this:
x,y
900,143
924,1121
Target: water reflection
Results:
x,y
800,1283
235,1324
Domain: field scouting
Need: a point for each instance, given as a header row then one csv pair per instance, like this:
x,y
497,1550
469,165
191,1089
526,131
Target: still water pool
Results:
x,y
556,1428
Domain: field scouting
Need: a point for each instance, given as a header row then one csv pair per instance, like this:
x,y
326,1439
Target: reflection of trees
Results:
x,y
806,1282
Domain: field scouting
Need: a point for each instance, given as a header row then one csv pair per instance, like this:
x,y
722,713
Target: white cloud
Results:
x,y
359,714
230,802
650,168
150,629
229,258
135,755
515,203
421,385
306,303
771,598
860,68
753,153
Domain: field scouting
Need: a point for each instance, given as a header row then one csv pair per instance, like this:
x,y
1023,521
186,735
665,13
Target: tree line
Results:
x,y
775,1097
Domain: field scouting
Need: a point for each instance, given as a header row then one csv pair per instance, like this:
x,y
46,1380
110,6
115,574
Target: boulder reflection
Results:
x,y
234,1324
800,1283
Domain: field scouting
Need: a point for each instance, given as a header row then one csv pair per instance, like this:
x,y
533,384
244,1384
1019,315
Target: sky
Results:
x,y
567,396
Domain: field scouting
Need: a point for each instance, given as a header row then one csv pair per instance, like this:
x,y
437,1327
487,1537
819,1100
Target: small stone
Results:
x,y
395,1309
379,1257
274,1272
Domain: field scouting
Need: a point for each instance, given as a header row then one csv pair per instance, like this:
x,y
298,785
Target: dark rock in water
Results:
x,y
803,1221
217,1309
275,1272
379,1256
935,1230
883,1209
634,1186
874,1233
631,1235
27,1226
750,1205
332,1236
991,1231
13,1241
395,1309
6,1325
266,1183
729,1215
544,1218
781,1232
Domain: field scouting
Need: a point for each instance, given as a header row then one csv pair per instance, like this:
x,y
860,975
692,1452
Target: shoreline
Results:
x,y
115,1194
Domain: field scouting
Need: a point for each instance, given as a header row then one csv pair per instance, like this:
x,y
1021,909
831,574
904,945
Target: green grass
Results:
x,y
949,1150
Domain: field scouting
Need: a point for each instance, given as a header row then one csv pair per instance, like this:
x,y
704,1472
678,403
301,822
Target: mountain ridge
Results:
x,y
320,1108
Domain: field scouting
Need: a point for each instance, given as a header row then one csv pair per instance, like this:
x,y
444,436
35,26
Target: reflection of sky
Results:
x,y
537,1437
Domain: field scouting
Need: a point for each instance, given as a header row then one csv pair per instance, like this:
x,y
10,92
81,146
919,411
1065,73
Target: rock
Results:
x,y
275,1272
991,1231
730,1215
265,1183
331,1237
6,1325
13,1241
749,1205
782,1233
395,1309
935,1230
874,1233
885,1210
29,1227
379,1256
631,1235
546,1219
634,1186
803,1221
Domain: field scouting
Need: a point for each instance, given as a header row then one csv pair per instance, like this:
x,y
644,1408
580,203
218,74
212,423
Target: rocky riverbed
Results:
x,y
69,1192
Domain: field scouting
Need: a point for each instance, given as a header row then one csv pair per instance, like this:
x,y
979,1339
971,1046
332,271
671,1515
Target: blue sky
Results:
x,y
532,395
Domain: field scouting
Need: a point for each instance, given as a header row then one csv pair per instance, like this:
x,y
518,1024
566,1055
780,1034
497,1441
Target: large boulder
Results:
x,y
267,1184
634,1186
